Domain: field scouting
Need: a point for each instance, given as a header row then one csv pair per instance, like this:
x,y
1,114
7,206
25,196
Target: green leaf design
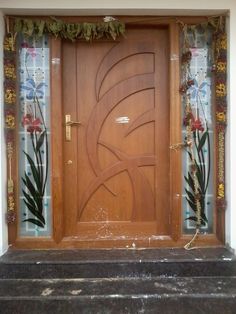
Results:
x,y
35,212
203,216
190,196
194,218
35,221
199,142
38,199
190,156
192,205
40,141
200,178
34,201
189,180
202,141
35,171
29,199
34,186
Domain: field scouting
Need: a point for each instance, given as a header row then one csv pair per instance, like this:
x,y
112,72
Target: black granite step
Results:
x,y
119,295
118,287
118,281
117,263
141,305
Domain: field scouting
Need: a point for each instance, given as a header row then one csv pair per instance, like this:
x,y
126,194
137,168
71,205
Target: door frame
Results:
x,y
177,239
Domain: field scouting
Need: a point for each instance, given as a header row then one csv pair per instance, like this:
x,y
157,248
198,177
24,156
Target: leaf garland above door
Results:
x,y
109,28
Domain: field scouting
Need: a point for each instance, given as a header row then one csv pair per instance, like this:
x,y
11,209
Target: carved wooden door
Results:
x,y
116,163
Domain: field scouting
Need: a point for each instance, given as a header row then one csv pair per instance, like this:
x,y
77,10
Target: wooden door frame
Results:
x,y
177,239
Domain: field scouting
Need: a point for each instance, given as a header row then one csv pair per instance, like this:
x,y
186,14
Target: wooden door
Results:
x,y
116,165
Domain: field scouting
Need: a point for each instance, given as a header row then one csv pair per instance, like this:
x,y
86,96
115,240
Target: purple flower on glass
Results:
x,y
33,89
196,90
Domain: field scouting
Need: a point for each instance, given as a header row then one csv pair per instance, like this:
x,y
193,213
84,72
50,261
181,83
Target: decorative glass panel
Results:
x,y
34,134
202,120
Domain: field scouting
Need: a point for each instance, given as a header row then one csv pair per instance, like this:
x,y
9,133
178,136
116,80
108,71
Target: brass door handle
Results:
x,y
69,123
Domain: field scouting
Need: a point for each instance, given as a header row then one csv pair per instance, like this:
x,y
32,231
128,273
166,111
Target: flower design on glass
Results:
x,y
30,51
197,125
195,52
194,123
33,124
33,89
198,89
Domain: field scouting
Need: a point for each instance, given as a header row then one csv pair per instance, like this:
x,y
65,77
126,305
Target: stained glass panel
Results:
x,y
200,95
34,138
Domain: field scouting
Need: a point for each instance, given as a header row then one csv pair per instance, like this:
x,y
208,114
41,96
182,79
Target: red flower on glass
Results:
x,y
33,125
197,125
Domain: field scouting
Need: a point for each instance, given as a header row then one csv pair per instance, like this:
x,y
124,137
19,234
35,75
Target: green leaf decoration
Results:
x,y
71,31
18,26
28,27
40,28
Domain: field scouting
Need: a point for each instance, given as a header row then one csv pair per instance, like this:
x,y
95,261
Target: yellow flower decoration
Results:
x,y
221,67
10,96
9,71
10,121
223,42
221,117
221,190
11,202
9,44
220,90
10,187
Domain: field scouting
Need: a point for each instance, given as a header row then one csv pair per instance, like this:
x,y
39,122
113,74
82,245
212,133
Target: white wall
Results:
x,y
138,7
3,226
124,7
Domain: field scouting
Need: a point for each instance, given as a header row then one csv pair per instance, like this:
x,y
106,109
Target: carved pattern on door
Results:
x,y
143,208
